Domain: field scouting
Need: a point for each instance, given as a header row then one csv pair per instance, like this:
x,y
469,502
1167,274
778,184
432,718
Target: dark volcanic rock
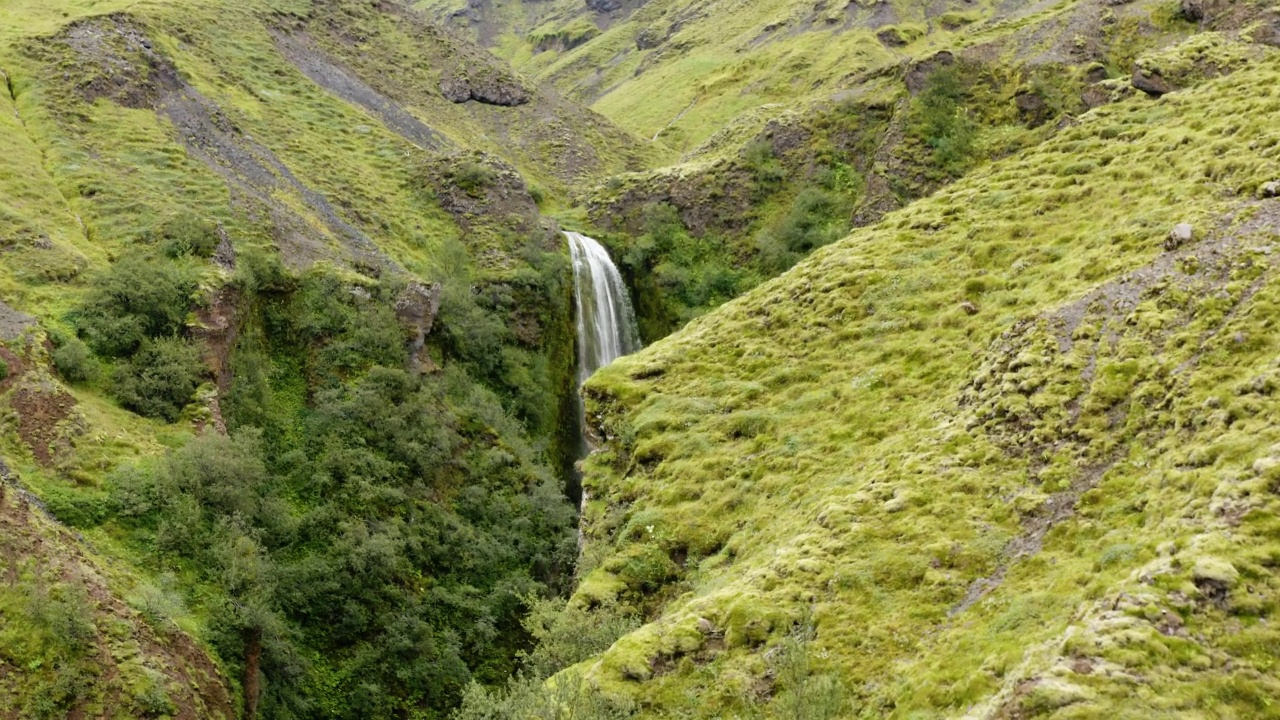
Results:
x,y
891,37
1151,83
1267,32
919,72
648,39
416,308
484,85
1032,108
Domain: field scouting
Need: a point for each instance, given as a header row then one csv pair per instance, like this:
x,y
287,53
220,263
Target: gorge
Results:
x,y
929,371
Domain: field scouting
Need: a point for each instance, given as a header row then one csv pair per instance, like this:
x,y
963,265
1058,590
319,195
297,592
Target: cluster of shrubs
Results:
x,y
133,319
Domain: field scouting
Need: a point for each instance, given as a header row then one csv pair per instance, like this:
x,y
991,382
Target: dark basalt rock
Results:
x,y
417,308
1192,10
648,39
1151,83
1032,108
919,72
484,85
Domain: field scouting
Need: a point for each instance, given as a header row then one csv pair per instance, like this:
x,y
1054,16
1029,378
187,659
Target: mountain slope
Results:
x,y
227,229
1006,453
683,71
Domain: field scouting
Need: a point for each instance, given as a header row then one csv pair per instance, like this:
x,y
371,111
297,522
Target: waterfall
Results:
x,y
606,329
606,322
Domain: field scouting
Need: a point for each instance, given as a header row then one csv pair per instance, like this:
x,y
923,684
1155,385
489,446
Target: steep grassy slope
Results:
x,y
1007,453
680,72
760,187
224,216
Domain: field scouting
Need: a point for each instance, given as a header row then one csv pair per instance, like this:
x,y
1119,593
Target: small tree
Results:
x,y
186,234
160,379
74,362
137,299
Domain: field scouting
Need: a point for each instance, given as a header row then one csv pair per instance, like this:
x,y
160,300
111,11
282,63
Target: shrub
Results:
x,y
137,299
474,177
186,234
160,379
74,362
759,158
942,123
78,507
566,634
570,696
816,218
537,194
4,369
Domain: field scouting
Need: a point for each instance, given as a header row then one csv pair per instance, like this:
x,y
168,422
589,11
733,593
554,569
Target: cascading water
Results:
x,y
606,322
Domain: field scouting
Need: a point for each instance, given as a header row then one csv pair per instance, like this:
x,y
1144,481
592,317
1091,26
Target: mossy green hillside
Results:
x,y
1007,451
313,143
680,73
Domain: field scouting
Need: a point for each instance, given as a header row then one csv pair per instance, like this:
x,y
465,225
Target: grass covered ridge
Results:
x,y
211,215
991,471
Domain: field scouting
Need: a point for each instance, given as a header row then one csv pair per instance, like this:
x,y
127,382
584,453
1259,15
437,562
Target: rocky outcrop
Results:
x,y
1032,108
649,38
416,308
13,323
487,85
1151,82
1191,10
920,71
1180,235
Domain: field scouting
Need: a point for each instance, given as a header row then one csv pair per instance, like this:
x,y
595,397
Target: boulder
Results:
x,y
224,254
1180,235
416,309
1032,109
648,39
1267,31
1191,10
1271,189
1151,82
1095,97
483,84
891,37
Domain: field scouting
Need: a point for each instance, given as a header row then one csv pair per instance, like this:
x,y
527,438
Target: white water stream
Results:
x,y
606,322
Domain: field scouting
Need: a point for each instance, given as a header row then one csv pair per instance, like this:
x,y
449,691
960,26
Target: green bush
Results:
x,y
474,177
816,218
159,380
137,299
186,234
570,697
760,161
806,694
74,362
347,329
77,507
4,369
941,121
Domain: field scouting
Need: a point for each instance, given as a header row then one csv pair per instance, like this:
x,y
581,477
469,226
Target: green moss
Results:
x,y
914,448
